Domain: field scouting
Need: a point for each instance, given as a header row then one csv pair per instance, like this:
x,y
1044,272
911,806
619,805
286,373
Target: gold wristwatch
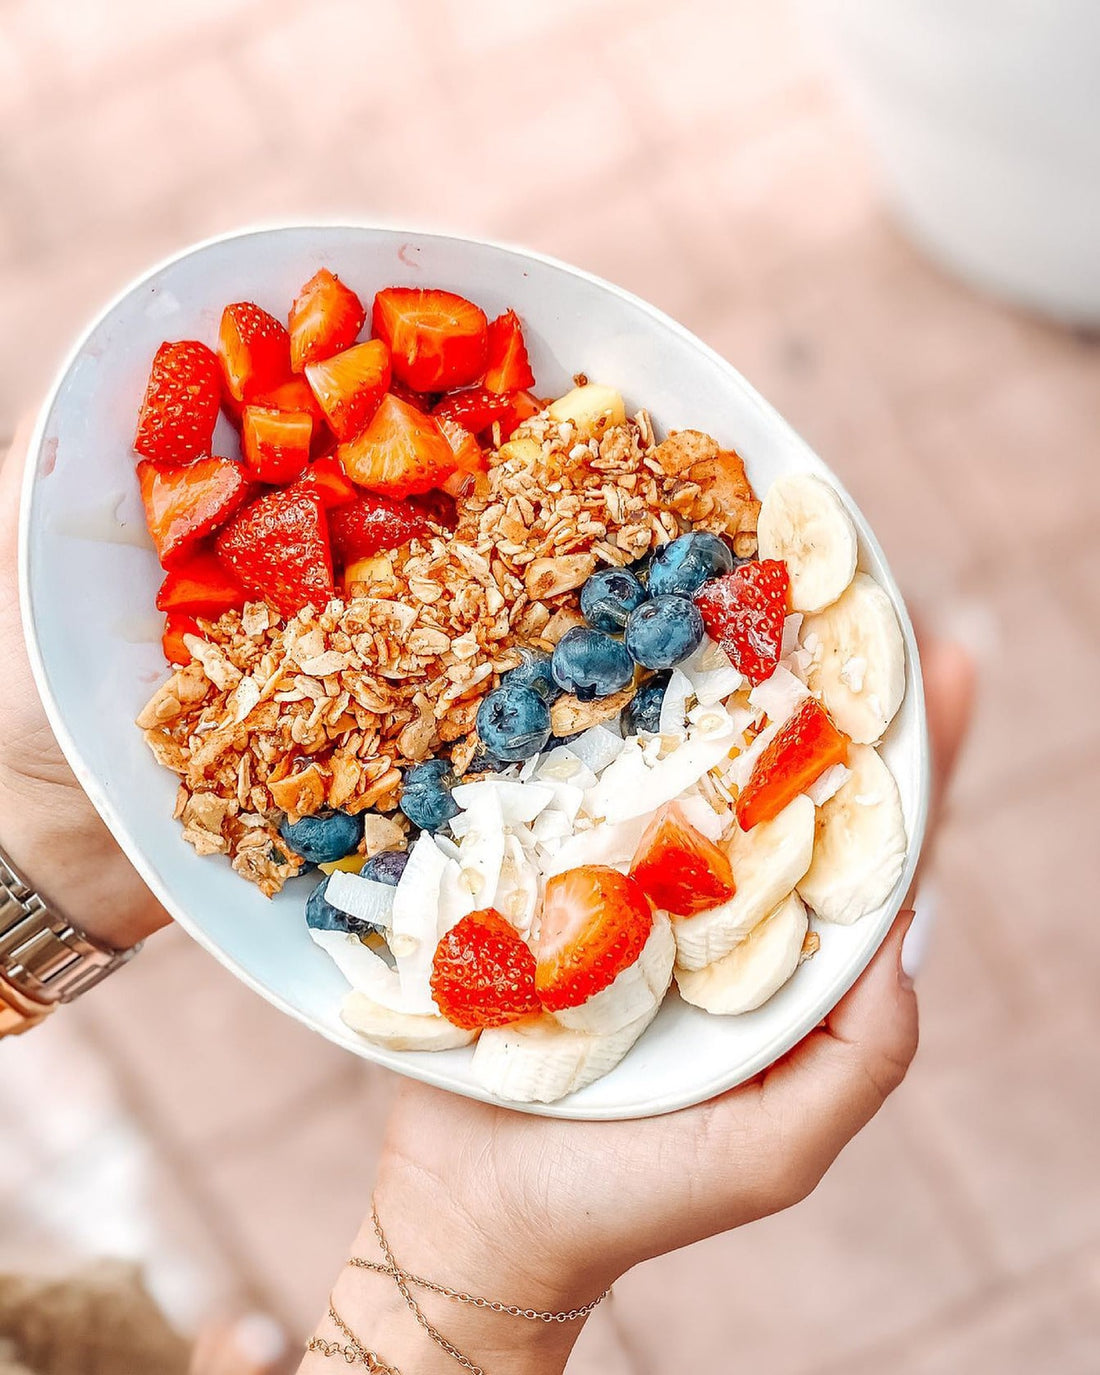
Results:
x,y
44,959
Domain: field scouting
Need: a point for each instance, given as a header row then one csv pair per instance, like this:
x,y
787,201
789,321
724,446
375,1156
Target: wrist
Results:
x,y
61,849
430,1234
477,1243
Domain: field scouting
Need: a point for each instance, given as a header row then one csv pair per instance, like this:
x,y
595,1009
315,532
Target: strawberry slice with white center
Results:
x,y
325,319
350,385
595,922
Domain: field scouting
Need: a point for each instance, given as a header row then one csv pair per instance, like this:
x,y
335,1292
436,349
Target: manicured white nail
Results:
x,y
259,1339
914,948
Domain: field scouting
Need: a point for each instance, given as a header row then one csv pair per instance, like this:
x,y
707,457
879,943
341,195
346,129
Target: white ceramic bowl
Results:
x,y
88,579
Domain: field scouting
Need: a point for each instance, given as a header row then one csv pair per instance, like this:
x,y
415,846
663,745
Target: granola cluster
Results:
x,y
278,716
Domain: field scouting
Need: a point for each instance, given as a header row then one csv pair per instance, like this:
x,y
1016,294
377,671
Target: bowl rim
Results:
x,y
766,1054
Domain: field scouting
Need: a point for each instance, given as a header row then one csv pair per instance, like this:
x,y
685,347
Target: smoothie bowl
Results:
x,y
474,663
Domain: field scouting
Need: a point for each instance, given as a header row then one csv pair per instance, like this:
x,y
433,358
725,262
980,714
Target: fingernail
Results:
x,y
914,949
906,970
259,1339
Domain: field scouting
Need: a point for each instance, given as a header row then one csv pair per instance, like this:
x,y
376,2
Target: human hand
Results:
x,y
547,1213
48,827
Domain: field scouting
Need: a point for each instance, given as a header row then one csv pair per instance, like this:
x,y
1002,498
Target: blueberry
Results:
x,y
533,671
386,867
513,722
663,631
324,837
608,598
426,795
590,664
643,711
322,916
683,566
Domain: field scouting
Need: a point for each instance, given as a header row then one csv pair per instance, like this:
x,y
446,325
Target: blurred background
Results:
x,y
764,179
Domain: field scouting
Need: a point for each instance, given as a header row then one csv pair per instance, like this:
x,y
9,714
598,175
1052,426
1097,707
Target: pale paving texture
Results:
x,y
696,154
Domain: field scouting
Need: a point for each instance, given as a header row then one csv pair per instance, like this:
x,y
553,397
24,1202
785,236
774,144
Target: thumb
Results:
x,y
833,1082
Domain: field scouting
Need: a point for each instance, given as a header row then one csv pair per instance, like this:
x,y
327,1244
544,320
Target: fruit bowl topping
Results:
x,y
512,676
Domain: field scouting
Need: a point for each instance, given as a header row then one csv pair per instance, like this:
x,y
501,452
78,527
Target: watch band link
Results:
x,y
43,957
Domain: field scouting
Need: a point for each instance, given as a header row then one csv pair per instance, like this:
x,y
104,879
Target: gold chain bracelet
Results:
x,y
353,1352
531,1314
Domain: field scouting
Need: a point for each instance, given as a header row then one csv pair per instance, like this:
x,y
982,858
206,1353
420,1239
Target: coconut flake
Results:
x,y
829,784
363,898
700,814
417,918
674,704
365,970
528,768
710,672
853,672
550,825
779,696
482,850
562,765
447,846
613,844
647,788
596,747
792,626
518,890
520,802
740,769
712,720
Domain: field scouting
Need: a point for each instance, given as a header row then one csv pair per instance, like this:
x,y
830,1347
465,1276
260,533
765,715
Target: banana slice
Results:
x,y
859,850
767,863
401,1030
857,660
540,1061
636,991
804,523
749,975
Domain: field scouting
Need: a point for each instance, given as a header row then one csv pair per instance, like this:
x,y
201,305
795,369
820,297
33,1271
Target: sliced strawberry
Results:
x,y
401,451
681,871
507,367
483,974
349,386
594,924
201,586
295,395
187,502
175,628
804,748
475,408
744,612
278,547
331,484
523,406
437,340
425,401
470,457
254,349
275,444
180,410
324,319
372,524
